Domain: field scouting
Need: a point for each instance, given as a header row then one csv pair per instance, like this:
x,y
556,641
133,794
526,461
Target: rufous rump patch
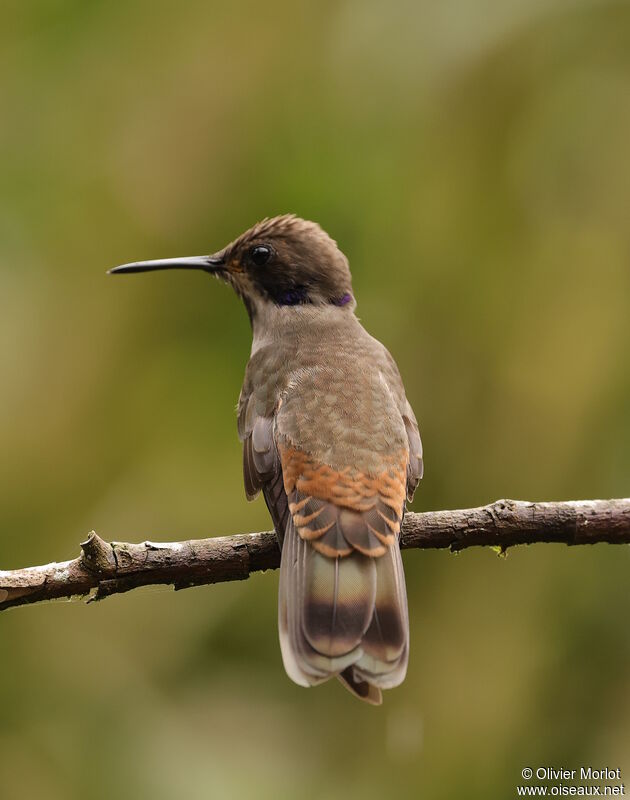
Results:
x,y
346,487
331,552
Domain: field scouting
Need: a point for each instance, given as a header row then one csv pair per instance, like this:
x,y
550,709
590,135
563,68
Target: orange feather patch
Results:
x,y
346,487
318,495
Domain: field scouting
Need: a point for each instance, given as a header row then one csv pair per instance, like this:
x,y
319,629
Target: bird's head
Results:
x,y
280,262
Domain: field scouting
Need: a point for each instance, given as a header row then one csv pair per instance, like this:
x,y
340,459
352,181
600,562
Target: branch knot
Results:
x,y
97,556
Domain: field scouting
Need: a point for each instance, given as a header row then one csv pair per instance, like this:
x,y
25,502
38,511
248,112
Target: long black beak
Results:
x,y
205,263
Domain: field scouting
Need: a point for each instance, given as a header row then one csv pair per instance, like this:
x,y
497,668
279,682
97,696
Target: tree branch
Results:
x,y
103,569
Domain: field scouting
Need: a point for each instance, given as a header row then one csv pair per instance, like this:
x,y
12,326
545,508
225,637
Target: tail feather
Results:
x,y
359,688
386,643
338,598
343,617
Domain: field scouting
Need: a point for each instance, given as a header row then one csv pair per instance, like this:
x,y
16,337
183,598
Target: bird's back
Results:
x,y
332,441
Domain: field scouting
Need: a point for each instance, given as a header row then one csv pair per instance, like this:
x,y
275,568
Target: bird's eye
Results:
x,y
260,254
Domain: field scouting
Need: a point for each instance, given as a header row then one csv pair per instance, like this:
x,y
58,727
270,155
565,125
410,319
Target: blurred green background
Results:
x,y
472,160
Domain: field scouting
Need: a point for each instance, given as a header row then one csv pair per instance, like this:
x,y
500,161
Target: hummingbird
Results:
x,y
332,442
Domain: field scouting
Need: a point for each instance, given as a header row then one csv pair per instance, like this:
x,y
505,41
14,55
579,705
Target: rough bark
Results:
x,y
103,569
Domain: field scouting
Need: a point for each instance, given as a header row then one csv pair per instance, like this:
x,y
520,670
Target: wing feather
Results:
x,y
415,466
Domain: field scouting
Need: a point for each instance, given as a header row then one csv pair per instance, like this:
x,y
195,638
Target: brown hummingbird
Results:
x,y
331,440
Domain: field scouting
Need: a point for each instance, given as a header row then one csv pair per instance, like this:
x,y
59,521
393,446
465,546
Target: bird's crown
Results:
x,y
289,261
